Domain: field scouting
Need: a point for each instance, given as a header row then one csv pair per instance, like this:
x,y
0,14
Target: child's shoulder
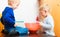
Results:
x,y
50,17
8,7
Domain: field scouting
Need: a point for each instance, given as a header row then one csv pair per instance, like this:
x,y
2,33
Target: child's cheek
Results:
x,y
43,13
11,3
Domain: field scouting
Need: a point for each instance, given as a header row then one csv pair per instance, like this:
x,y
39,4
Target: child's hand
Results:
x,y
40,23
41,28
37,18
15,24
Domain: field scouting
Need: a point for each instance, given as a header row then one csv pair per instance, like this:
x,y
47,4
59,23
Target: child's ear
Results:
x,y
11,3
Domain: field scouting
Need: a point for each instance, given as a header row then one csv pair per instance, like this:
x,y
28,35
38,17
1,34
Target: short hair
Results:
x,y
13,1
44,6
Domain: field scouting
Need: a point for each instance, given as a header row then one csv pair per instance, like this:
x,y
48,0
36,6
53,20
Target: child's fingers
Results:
x,y
15,25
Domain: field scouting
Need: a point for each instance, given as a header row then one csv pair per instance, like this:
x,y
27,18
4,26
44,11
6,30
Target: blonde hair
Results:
x,y
13,1
45,7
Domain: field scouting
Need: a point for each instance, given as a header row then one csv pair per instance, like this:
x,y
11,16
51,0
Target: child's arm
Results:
x,y
48,25
8,18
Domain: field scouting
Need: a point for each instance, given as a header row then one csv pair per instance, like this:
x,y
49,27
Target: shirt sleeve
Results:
x,y
8,18
48,25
